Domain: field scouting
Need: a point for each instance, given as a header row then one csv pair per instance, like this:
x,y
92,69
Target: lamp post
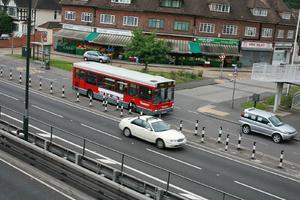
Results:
x,y
25,118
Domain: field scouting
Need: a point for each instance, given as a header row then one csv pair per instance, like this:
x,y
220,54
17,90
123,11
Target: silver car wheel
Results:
x,y
160,144
127,132
246,129
85,59
276,138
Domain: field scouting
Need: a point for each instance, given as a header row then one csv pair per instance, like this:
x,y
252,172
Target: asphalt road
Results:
x,y
192,161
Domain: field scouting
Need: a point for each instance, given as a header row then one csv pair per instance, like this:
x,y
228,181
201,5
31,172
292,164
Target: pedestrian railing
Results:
x,y
296,101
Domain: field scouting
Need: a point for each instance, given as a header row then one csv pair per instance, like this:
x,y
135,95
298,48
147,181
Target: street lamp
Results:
x,y
25,118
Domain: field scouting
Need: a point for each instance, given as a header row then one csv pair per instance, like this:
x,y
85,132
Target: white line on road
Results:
x,y
37,107
105,133
174,159
38,180
193,197
259,190
194,112
9,96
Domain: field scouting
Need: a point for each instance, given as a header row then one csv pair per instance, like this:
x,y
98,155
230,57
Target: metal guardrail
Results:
x,y
119,176
275,73
296,101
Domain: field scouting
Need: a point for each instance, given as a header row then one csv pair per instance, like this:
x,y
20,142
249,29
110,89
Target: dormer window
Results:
x,y
171,3
260,12
219,7
286,15
121,1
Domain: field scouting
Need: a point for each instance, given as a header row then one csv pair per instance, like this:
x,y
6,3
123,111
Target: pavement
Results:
x,y
215,90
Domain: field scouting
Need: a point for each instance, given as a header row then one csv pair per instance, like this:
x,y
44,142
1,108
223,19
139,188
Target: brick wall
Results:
x,y
19,42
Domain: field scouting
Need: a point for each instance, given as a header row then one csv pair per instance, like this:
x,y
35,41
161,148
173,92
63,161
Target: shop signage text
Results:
x,y
256,45
217,41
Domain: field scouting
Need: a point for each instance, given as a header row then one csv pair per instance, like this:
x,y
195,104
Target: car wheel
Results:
x,y
160,144
246,129
100,61
127,132
90,94
85,59
277,138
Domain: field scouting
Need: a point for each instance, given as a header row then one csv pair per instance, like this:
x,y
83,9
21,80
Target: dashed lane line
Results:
x,y
105,133
9,96
47,111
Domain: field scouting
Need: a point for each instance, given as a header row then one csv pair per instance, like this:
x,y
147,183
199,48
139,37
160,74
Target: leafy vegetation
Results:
x,y
147,48
295,4
5,23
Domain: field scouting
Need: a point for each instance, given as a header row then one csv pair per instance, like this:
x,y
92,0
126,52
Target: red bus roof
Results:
x,y
122,73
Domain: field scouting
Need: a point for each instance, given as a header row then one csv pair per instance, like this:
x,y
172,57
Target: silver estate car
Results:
x,y
266,123
95,56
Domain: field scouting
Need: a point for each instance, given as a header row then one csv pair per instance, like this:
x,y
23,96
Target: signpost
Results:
x,y
235,73
222,57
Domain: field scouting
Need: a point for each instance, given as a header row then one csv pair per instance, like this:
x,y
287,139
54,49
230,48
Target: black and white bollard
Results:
x,y
51,87
118,101
77,96
220,134
239,142
10,74
227,142
196,127
20,78
180,125
1,72
40,88
130,105
281,159
202,134
141,113
90,101
103,99
29,81
63,91
105,105
121,113
253,151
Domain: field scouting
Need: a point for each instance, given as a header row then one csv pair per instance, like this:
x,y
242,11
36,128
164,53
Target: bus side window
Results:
x,y
145,93
82,74
109,83
133,90
91,78
100,80
76,73
121,87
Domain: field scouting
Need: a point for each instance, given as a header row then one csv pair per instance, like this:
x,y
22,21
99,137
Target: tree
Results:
x,y
295,4
5,23
148,48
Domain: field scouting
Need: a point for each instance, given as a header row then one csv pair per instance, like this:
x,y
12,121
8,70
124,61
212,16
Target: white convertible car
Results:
x,y
153,130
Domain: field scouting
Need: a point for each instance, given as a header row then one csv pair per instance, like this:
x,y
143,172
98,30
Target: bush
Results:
x,y
286,101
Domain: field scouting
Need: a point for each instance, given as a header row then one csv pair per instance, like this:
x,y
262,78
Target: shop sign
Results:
x,y
256,45
114,31
77,27
281,44
217,41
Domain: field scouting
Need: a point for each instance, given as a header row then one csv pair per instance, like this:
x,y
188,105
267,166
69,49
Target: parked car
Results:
x,y
153,130
95,56
4,37
266,123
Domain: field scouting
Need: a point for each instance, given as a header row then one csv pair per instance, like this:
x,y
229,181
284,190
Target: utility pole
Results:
x,y
234,83
25,120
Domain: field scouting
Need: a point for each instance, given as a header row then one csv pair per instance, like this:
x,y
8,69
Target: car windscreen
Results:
x,y
160,126
276,121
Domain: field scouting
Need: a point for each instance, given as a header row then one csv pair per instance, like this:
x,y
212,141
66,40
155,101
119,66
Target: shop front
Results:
x,y
255,52
282,53
212,50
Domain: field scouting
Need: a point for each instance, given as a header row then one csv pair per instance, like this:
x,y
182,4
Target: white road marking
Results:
x,y
107,161
9,96
194,112
196,167
38,180
267,169
100,155
192,196
259,190
105,133
37,107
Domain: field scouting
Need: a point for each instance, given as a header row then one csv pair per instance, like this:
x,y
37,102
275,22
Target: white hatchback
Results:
x,y
153,130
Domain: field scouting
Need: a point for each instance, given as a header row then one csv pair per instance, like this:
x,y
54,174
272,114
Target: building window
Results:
x,y
156,23
86,17
219,7
206,28
250,31
181,26
70,15
107,19
55,14
286,15
12,11
171,3
230,30
121,1
290,34
280,34
260,12
266,32
130,21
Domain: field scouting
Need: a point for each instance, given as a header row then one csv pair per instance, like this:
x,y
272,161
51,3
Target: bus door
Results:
x,y
81,79
145,97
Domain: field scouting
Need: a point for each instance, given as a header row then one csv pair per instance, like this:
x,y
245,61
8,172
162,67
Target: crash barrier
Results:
x,y
81,159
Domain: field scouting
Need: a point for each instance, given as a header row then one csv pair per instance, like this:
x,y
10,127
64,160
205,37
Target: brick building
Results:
x,y
245,30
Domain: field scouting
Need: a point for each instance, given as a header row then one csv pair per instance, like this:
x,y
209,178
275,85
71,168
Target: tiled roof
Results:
x,y
37,4
240,9
51,25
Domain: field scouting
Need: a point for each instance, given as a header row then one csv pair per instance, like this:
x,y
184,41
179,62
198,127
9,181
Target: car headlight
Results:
x,y
172,141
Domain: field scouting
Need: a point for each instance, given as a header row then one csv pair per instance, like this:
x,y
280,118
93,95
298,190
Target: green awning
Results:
x,y
92,36
195,47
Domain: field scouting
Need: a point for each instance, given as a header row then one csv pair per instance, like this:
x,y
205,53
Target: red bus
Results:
x,y
147,93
